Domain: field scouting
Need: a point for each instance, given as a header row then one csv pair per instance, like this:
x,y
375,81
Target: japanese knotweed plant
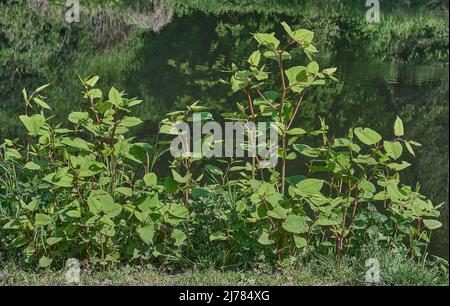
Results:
x,y
353,194
350,198
280,105
84,190
278,220
336,205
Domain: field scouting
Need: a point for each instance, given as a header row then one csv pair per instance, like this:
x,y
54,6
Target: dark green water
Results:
x,y
181,63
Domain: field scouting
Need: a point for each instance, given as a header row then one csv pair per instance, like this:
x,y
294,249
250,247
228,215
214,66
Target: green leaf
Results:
x,y
278,212
95,201
264,238
181,179
141,216
268,40
76,117
296,131
39,89
323,221
318,82
399,167
310,186
148,202
125,191
288,29
240,206
146,233
200,116
12,153
33,123
300,35
77,143
42,219
168,129
25,95
255,58
310,50
432,224
32,206
107,221
107,229
296,75
179,211
217,236
130,121
240,80
179,237
94,93
313,68
415,143
300,242
273,56
367,186
329,71
74,214
92,81
296,224
170,185
365,159
303,35
394,192
198,192
150,179
19,241
100,200
44,262
111,209
393,149
410,148
307,150
197,108
41,103
32,166
367,136
115,97
60,178
398,127
53,240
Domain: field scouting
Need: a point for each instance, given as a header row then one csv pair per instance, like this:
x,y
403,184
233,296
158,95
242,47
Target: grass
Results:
x,y
321,271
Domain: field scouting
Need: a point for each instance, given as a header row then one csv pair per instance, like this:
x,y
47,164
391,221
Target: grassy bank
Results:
x,y
395,271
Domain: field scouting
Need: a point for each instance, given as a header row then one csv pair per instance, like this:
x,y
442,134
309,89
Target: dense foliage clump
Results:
x,y
85,189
